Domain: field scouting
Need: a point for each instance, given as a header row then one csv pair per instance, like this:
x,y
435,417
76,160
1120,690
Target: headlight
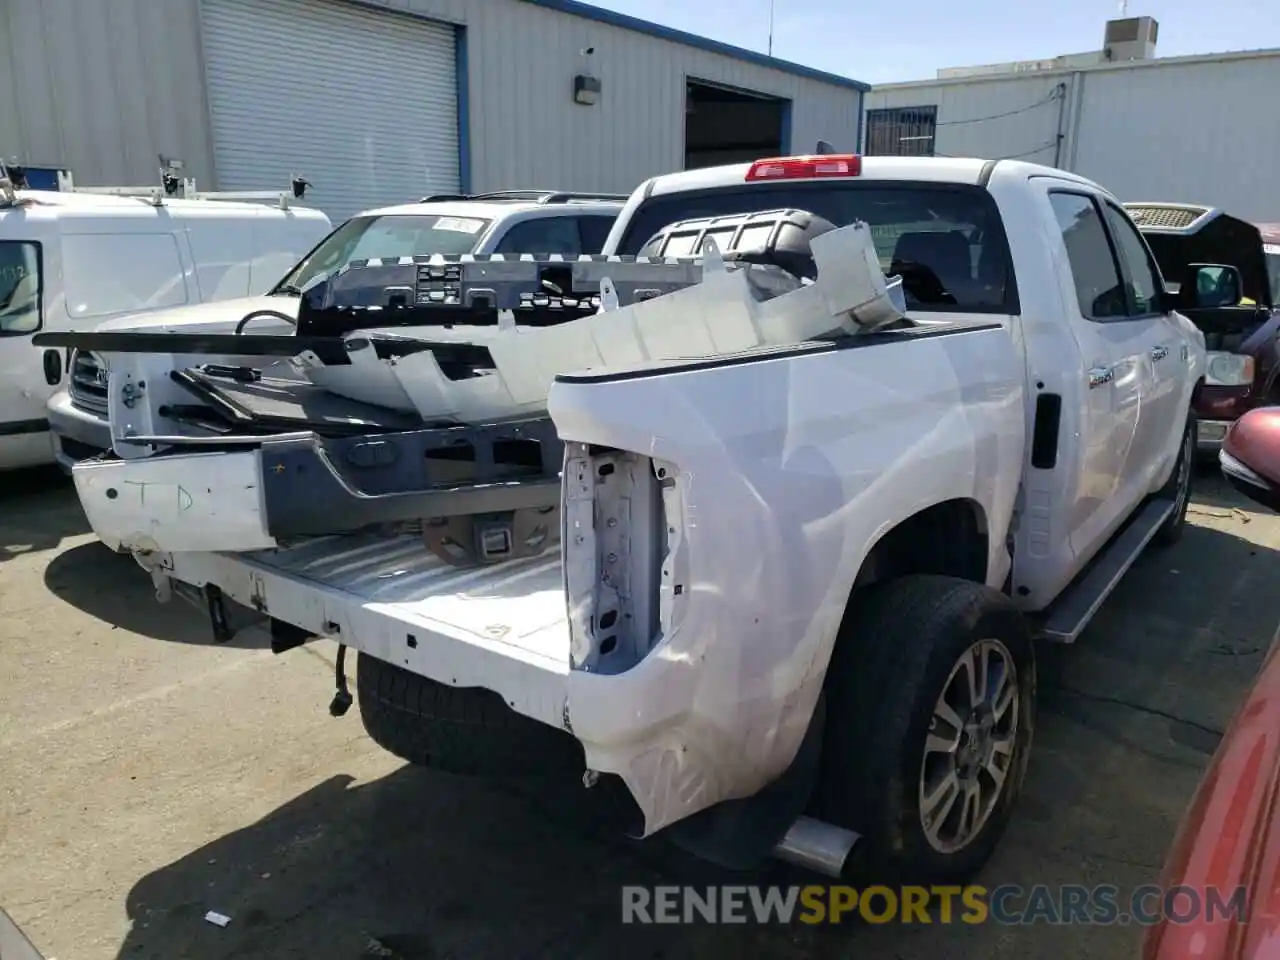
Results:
x,y
1228,369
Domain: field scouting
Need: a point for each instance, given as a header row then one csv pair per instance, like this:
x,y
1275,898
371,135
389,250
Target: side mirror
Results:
x,y
1209,285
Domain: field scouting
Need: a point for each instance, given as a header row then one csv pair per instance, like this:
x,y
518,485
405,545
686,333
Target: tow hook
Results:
x,y
342,699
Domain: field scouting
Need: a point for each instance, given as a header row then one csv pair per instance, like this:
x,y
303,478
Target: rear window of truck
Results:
x,y
946,241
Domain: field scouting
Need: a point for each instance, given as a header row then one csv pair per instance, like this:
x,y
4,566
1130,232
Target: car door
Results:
x,y
1160,425
1113,346
24,438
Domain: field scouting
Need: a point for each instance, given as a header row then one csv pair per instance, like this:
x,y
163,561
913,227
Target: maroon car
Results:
x,y
1229,838
1226,274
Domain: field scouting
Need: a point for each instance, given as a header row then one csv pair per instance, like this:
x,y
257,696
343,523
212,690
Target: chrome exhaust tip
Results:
x,y
817,845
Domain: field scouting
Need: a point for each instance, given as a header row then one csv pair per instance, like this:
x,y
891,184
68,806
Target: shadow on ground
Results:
x,y
422,866
38,510
113,588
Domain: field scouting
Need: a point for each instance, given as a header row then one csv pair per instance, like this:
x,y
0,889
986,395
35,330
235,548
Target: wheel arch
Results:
x,y
948,538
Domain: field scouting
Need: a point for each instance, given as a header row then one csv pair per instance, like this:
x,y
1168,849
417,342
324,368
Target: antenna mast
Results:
x,y
771,27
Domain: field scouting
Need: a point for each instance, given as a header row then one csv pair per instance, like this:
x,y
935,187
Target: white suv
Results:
x,y
509,221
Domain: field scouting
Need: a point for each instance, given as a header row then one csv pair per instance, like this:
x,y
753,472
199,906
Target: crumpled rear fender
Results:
x,y
716,515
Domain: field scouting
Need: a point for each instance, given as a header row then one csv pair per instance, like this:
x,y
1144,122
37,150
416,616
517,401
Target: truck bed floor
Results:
x,y
394,599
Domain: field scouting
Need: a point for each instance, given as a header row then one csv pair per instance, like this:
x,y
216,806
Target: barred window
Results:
x,y
901,132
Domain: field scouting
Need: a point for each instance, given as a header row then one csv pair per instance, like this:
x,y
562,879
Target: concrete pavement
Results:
x,y
149,777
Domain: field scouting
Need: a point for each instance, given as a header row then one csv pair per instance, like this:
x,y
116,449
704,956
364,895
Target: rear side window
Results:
x,y
1100,290
543,235
110,274
595,230
21,287
946,242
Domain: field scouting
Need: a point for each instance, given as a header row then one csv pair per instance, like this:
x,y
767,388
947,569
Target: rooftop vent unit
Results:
x,y
1133,38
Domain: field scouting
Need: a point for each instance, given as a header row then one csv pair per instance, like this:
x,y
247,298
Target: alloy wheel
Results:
x,y
969,750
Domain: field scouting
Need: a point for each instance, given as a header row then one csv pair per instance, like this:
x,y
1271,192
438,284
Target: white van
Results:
x,y
73,260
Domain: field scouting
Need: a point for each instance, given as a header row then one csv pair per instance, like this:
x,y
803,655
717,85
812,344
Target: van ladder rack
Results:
x,y
172,187
13,177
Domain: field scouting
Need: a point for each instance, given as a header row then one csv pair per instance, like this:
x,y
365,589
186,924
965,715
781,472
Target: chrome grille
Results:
x,y
88,383
1174,218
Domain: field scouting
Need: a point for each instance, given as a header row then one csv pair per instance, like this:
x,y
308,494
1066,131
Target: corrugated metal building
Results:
x,y
384,100
1202,129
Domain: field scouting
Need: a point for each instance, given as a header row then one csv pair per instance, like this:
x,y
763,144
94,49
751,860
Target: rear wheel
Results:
x,y
464,730
930,712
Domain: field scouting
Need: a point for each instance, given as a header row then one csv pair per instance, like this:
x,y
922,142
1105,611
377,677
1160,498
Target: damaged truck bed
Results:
x,y
764,535
574,637
502,627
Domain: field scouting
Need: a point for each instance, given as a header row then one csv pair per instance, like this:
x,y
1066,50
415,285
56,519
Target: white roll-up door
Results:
x,y
363,104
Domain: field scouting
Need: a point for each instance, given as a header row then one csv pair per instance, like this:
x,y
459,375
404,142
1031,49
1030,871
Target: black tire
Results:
x,y
464,730
1178,488
897,649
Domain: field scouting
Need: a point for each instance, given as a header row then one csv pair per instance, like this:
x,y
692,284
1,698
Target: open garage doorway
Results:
x,y
724,125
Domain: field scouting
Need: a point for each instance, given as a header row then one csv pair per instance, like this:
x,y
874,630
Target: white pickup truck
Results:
x,y
796,592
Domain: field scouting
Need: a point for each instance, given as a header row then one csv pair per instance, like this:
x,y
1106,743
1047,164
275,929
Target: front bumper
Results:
x,y
77,434
266,491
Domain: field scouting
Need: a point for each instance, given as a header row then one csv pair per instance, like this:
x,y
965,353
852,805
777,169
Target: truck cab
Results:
x,y
1088,287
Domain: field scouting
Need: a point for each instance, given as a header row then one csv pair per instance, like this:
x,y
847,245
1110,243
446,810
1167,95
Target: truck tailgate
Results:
x,y
502,627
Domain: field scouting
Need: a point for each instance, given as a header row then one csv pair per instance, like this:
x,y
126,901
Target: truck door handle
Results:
x,y
1098,376
1159,352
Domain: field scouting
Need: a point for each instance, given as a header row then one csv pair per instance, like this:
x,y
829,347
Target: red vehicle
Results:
x,y
1230,835
1226,272
1228,839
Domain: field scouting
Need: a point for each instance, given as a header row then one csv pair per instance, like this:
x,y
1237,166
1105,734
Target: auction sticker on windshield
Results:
x,y
459,225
